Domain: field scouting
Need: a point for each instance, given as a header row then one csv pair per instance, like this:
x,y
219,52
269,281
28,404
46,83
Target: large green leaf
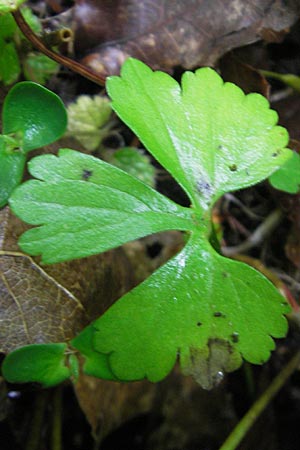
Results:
x,y
197,298
208,134
209,310
34,114
86,206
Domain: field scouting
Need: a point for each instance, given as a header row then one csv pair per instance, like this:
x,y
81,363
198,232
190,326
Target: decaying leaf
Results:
x,y
108,404
168,34
34,308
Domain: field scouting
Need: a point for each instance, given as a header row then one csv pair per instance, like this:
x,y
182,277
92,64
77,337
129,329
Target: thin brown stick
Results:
x,y
63,60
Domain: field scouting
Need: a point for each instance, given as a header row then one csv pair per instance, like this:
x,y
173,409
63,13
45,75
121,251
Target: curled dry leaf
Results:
x,y
185,33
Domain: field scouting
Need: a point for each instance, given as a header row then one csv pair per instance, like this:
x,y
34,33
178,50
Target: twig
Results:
x,y
263,230
35,429
63,60
257,408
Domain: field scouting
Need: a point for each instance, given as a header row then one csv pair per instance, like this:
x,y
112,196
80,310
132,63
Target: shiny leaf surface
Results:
x,y
38,363
34,114
86,206
209,310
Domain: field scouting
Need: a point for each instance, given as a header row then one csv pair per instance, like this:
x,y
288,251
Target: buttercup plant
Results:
x,y
207,310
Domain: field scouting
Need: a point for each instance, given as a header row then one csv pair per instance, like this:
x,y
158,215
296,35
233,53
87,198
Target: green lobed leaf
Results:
x,y
287,178
86,206
89,120
135,162
34,114
208,309
208,134
40,363
196,298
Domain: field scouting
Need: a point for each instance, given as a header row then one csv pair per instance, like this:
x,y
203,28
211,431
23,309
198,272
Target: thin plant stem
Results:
x,y
257,408
56,436
63,60
33,440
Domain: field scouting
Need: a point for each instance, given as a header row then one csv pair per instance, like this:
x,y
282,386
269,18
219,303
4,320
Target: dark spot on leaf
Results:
x,y
220,147
199,324
219,314
86,174
235,337
204,188
247,172
274,155
225,274
233,167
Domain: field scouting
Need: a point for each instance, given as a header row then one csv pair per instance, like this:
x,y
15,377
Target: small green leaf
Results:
x,y
39,68
8,26
7,6
35,114
9,63
84,200
88,120
32,20
208,134
12,164
135,162
40,363
287,178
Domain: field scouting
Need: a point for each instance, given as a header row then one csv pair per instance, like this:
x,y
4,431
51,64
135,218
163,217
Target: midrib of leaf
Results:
x,y
172,142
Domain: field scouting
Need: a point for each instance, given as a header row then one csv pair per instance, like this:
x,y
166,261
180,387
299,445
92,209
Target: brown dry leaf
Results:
x,y
243,75
174,407
34,307
185,33
108,404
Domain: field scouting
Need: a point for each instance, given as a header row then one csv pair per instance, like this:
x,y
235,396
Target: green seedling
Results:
x,y
32,117
133,161
34,66
206,310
